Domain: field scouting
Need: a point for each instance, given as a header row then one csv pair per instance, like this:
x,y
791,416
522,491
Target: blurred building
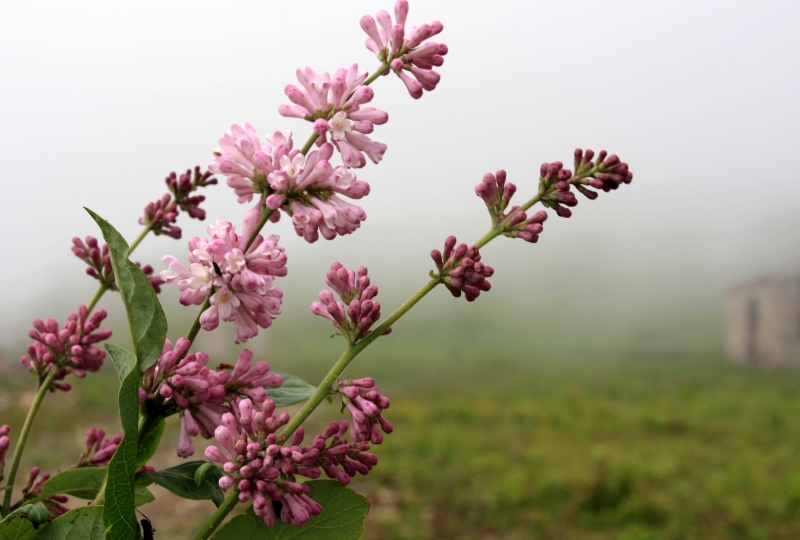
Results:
x,y
763,321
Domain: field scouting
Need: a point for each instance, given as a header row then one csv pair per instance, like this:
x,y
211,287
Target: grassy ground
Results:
x,y
619,450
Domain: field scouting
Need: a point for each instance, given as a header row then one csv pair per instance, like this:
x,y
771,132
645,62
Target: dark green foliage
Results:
x,y
83,483
342,518
180,480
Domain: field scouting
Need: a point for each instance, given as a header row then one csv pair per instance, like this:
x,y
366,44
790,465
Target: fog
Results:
x,y
100,101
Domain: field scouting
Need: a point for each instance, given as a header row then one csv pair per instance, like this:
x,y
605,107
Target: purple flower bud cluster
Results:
x,y
5,442
69,349
497,193
234,274
357,312
99,263
160,215
54,503
265,472
183,382
554,188
606,173
334,105
98,451
366,405
406,52
461,270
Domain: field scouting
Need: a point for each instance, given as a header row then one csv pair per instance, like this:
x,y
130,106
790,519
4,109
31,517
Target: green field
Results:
x,y
593,449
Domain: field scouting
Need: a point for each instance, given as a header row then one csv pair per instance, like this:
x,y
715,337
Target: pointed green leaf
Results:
x,y
19,528
342,518
85,523
83,483
202,472
180,481
293,390
149,442
119,515
145,315
143,496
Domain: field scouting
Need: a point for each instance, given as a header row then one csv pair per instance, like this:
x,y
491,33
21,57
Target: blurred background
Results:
x,y
586,395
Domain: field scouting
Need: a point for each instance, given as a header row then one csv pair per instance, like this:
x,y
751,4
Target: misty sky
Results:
x,y
99,101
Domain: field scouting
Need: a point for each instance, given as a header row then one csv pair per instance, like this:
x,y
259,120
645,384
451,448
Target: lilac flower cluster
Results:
x,y
334,105
235,273
497,193
69,349
160,215
461,270
98,450
201,395
265,472
5,442
308,188
365,404
99,263
606,173
357,312
406,52
54,503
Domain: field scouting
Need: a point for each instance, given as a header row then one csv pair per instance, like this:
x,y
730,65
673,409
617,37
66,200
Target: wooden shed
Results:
x,y
763,321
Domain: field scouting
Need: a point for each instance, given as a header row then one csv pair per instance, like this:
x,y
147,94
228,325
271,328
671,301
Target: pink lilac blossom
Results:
x,y
237,280
308,188
5,442
265,472
97,450
357,312
34,488
69,349
98,263
366,404
406,52
334,105
497,193
160,215
554,186
200,394
461,270
606,173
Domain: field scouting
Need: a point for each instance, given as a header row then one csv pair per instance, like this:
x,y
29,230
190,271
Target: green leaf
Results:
x,y
145,315
85,523
143,496
149,441
82,483
119,512
293,390
202,473
180,481
18,528
342,518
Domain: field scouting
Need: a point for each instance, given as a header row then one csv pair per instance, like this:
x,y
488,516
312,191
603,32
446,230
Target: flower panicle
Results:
x,y
461,270
70,349
496,193
266,472
408,53
357,312
98,263
160,215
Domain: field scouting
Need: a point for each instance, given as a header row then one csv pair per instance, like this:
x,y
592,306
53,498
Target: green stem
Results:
x,y
381,70
224,509
309,142
265,214
141,236
97,294
196,324
349,354
23,436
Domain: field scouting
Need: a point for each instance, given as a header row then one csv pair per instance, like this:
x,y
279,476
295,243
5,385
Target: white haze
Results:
x,y
100,100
